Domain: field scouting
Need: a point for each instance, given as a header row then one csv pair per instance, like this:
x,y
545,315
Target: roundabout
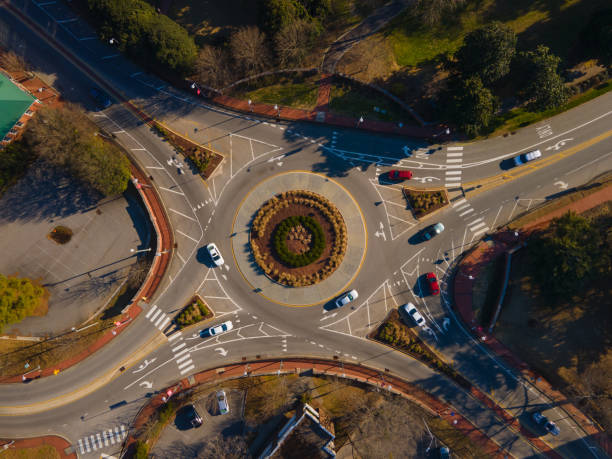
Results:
x,y
322,210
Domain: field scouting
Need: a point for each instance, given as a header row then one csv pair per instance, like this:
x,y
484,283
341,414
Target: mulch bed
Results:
x,y
266,244
424,202
61,234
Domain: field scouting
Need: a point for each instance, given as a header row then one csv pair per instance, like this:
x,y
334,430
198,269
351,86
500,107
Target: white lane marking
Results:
x,y
123,431
480,231
188,369
182,215
186,235
453,179
158,321
456,155
448,161
179,347
178,254
185,357
81,446
589,163
184,364
498,212
466,212
467,204
461,201
172,191
453,172
181,352
93,442
111,436
454,148
479,219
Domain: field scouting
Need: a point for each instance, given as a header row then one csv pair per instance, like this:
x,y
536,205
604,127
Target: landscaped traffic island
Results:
x,y
298,238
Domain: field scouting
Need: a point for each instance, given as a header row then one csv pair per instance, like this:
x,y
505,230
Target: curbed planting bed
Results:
x,y
298,238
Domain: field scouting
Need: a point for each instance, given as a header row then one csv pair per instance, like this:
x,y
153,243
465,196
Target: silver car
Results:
x,y
222,401
526,157
215,255
346,298
410,310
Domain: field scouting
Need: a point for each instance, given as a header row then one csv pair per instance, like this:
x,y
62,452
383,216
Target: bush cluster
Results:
x,y
280,241
192,314
425,202
309,199
19,298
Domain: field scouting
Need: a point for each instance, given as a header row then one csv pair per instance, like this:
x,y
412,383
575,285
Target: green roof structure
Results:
x,y
13,103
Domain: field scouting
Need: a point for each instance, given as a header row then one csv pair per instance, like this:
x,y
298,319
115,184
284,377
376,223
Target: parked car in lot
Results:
x,y
220,329
526,157
399,175
194,417
101,98
215,255
444,452
222,401
432,283
346,298
409,310
543,421
432,230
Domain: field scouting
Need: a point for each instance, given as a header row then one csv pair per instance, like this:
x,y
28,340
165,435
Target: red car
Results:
x,y
400,175
432,282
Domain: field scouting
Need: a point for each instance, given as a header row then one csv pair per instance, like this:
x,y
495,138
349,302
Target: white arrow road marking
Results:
x,y
144,365
425,179
328,317
381,232
559,144
146,384
276,158
562,185
221,351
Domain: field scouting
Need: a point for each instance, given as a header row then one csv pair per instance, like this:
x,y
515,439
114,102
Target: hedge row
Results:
x,y
280,241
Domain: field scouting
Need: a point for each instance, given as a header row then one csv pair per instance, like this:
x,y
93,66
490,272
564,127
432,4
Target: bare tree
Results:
x,y
234,447
431,11
212,67
249,50
12,62
293,41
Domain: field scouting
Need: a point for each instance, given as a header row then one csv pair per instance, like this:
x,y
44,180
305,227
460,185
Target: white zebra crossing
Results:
x,y
476,226
454,159
102,439
159,318
181,354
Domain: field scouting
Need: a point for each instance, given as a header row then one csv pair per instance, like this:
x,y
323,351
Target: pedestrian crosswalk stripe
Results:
x,y
99,440
461,201
164,323
182,358
453,172
161,317
188,369
466,212
184,364
122,431
112,437
475,227
174,336
153,308
105,437
454,161
181,353
180,346
454,148
479,219
87,444
480,231
454,154
453,166
467,204
81,446
453,179
154,316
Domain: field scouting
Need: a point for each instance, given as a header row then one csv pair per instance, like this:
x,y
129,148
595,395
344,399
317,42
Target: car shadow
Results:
x,y
416,238
331,304
182,422
419,288
203,257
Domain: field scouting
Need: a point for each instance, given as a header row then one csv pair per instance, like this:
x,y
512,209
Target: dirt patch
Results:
x,y
40,452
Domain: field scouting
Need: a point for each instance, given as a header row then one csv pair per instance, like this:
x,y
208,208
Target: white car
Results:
x,y
214,253
346,298
221,328
222,401
526,157
411,311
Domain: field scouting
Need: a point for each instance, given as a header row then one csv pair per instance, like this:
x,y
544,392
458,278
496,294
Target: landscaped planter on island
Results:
x,y
298,238
425,202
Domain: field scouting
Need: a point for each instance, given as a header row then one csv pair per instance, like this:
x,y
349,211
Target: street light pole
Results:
x,y
142,250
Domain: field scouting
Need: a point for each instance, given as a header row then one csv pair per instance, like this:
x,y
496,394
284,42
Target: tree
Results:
x,y
66,138
12,62
249,50
471,104
227,447
487,52
212,67
431,11
567,254
19,298
293,41
541,84
276,14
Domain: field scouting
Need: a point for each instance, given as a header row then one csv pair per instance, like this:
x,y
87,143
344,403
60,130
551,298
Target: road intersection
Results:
x,y
150,357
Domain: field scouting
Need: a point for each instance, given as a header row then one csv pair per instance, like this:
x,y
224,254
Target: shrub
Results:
x,y
142,450
280,241
19,298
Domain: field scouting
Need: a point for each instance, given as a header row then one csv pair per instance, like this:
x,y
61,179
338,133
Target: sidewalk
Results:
x,y
472,265
321,367
60,444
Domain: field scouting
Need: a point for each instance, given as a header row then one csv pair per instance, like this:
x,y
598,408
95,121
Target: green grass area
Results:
x,y
40,452
556,24
351,99
521,117
295,91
